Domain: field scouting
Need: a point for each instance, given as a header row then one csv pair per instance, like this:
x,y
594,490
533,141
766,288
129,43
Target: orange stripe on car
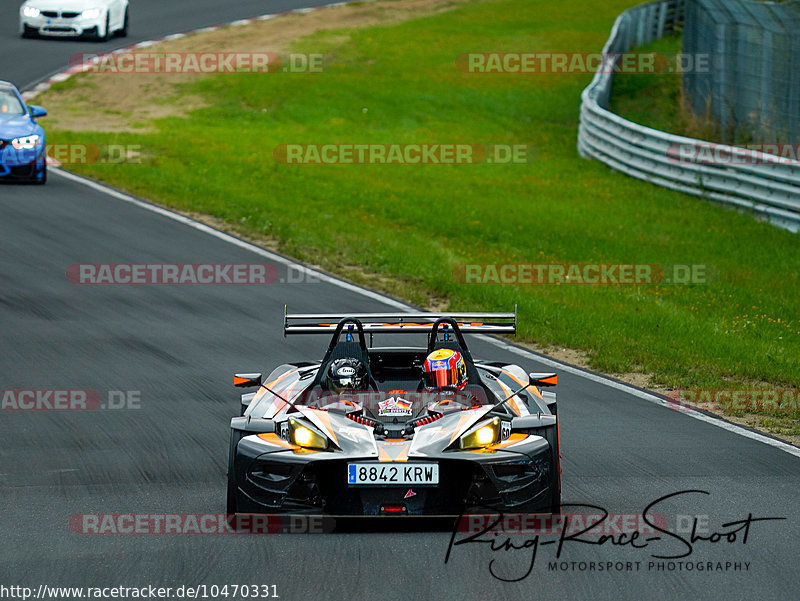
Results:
x,y
462,420
274,439
403,456
281,378
552,380
383,456
513,402
513,377
277,404
402,324
532,388
511,440
393,449
326,421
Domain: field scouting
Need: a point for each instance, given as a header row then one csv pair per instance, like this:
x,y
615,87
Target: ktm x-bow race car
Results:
x,y
396,431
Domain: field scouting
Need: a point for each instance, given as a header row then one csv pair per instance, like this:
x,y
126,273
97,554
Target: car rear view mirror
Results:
x,y
544,379
247,380
37,111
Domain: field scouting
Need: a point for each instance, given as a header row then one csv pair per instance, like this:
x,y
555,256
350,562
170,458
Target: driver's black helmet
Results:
x,y
346,374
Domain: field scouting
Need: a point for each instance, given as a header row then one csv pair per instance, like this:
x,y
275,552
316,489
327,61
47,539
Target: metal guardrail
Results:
x,y
766,184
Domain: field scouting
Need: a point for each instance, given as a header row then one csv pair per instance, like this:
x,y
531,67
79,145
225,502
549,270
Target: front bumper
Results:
x,y
21,164
62,26
315,483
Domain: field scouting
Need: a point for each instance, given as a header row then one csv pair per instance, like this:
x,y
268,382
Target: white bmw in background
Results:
x,y
98,19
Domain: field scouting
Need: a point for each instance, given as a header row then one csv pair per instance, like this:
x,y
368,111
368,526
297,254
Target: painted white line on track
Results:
x,y
67,73
704,417
232,240
652,398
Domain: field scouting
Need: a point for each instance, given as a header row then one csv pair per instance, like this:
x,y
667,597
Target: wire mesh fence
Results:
x,y
752,90
758,181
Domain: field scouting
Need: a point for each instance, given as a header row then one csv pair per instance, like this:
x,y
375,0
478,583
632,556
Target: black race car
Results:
x,y
390,442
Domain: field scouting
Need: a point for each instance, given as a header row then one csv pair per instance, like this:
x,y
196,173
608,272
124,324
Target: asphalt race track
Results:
x,y
26,62
176,348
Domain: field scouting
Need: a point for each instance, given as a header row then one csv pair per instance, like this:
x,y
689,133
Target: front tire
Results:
x,y
123,33
550,434
40,181
233,487
552,438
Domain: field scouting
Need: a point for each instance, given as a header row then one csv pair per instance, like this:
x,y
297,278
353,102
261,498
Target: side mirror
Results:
x,y
543,380
246,380
37,111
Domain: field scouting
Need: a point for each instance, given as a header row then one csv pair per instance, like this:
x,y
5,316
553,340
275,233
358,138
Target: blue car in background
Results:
x,y
22,144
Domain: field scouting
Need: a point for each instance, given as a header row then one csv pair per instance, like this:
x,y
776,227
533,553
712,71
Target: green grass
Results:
x,y
414,224
652,100
657,101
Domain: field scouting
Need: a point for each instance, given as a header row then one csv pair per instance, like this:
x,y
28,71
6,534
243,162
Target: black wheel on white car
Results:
x,y
29,32
123,33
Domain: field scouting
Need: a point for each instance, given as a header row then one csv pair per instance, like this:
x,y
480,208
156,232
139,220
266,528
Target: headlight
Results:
x,y
303,436
30,11
91,13
26,143
482,436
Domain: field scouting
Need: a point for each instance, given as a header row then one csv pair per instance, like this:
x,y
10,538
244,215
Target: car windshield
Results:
x,y
10,104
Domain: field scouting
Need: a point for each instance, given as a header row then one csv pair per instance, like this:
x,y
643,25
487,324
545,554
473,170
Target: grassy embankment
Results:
x,y
404,228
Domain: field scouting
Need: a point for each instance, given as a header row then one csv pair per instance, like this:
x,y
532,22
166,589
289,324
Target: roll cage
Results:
x,y
444,331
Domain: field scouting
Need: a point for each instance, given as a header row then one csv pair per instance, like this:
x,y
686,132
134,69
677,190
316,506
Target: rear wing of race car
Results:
x,y
394,323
